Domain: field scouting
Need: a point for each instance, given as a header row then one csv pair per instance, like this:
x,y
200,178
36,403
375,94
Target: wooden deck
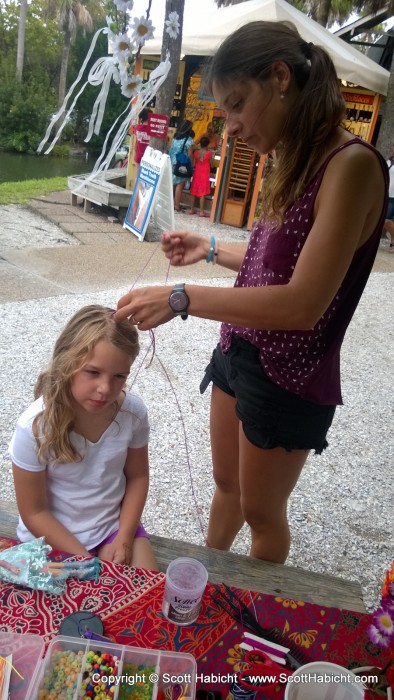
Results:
x,y
107,189
241,571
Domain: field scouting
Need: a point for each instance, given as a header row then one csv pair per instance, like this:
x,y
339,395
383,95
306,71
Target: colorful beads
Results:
x,y
61,678
66,675
139,687
95,683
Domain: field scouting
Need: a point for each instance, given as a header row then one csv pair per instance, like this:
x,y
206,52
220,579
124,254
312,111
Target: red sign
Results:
x,y
157,125
357,97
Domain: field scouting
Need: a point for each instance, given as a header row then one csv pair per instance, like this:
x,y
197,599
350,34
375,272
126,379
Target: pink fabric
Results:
x,y
201,186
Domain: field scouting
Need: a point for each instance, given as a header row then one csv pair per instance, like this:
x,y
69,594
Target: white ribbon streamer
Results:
x,y
62,109
149,90
100,74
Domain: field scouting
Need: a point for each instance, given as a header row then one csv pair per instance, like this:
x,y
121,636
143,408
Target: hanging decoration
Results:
x,y
125,40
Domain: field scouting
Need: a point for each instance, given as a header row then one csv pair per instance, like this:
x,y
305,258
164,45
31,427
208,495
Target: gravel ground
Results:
x,y
341,511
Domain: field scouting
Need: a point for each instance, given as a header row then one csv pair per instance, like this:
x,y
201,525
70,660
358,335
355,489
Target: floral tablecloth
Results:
x,y
128,601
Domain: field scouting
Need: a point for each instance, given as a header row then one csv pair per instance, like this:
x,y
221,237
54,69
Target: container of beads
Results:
x,y
80,669
24,652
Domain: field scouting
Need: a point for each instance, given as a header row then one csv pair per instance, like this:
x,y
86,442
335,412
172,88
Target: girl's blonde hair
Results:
x,y
248,54
90,325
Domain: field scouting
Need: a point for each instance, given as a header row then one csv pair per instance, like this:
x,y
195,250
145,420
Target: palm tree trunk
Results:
x,y
165,94
20,55
64,67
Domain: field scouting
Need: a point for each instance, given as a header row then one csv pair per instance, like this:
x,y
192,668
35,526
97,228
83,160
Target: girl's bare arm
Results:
x,y
30,489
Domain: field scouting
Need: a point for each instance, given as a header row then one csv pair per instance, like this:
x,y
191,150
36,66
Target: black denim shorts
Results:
x,y
271,416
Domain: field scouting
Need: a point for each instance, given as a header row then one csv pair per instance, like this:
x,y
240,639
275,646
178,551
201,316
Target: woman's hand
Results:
x,y
183,248
147,307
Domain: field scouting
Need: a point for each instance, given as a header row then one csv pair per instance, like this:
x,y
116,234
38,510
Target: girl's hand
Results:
x,y
183,248
146,308
118,551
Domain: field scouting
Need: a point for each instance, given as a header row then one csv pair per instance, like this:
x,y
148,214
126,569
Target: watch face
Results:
x,y
179,301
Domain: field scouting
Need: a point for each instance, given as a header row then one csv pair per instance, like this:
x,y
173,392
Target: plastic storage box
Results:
x,y
125,672
26,651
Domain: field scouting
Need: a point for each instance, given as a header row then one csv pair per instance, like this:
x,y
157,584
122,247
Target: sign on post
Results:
x,y
157,125
152,195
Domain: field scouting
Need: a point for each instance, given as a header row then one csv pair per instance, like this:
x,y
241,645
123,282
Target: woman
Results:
x,y
182,142
276,372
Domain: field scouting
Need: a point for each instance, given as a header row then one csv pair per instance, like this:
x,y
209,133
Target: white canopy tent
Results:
x,y
203,40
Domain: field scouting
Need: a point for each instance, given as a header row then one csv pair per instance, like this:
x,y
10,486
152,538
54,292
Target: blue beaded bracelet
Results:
x,y
211,250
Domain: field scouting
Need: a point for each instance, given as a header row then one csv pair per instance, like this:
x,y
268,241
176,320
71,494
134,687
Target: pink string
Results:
x,y
152,346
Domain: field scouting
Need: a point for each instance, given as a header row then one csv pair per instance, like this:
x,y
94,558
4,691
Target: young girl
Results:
x,y
276,371
80,451
201,187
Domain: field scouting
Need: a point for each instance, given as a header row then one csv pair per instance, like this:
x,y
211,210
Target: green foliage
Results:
x,y
20,192
24,113
61,151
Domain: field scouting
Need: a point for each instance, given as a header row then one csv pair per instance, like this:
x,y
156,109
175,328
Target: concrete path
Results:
x,y
84,252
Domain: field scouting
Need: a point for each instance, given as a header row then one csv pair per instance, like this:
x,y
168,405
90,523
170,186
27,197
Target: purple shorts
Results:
x,y
140,532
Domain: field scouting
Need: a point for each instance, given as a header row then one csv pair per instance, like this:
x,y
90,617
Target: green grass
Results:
x,y
20,192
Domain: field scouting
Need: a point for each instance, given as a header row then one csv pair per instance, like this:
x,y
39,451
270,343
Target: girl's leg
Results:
x,y
267,478
225,518
202,205
142,554
193,206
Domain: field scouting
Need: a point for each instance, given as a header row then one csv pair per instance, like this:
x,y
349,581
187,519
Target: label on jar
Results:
x,y
182,610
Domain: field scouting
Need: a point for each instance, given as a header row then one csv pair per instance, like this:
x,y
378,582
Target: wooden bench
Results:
x,y
240,571
107,189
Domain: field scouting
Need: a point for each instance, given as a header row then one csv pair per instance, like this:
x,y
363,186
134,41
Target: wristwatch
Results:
x,y
179,301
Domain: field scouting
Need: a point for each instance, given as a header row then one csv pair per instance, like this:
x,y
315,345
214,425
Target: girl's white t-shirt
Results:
x,y
85,496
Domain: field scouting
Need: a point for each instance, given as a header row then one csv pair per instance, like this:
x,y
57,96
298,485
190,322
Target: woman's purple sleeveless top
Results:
x,y
303,362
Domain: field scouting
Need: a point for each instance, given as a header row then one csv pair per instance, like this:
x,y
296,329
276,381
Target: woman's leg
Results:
x,y
178,195
267,478
202,205
225,518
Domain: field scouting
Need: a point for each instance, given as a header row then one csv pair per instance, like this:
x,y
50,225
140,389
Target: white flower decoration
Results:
x,y
131,84
142,30
121,47
172,25
124,5
123,66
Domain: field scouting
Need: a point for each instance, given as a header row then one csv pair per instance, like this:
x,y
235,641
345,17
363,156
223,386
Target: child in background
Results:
x,y
201,186
141,135
80,451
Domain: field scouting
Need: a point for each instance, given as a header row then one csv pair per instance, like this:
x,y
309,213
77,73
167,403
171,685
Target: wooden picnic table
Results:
x,y
240,571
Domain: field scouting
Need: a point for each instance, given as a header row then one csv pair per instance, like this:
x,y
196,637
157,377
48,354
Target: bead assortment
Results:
x,y
75,670
61,679
140,686
98,667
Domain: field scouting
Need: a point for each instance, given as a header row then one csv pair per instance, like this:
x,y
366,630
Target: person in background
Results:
x,y
211,135
141,135
276,371
201,186
389,222
80,451
182,142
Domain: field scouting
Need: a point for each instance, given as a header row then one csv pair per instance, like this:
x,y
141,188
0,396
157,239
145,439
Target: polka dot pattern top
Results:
x,y
303,362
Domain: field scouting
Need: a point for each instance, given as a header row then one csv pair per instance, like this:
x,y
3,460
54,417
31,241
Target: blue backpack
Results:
x,y
183,166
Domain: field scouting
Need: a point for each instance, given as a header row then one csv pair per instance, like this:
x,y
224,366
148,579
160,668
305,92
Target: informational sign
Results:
x,y
157,125
152,195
